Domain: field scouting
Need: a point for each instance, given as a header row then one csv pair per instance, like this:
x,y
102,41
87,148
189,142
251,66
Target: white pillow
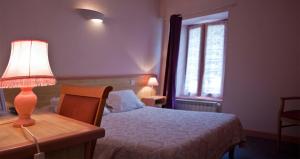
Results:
x,y
124,100
106,111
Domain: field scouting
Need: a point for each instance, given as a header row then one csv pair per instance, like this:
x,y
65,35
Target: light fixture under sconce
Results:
x,y
92,15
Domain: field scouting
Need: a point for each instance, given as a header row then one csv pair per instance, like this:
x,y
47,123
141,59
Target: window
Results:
x,y
204,70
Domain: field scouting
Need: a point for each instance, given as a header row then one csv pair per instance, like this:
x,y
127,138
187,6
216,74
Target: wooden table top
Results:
x,y
52,131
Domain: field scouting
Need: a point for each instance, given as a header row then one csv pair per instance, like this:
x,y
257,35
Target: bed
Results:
x,y
151,132
157,133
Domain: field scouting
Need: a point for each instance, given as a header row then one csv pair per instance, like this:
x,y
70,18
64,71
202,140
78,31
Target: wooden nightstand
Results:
x,y
156,101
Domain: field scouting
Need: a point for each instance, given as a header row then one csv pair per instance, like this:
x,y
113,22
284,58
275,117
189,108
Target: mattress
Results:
x,y
156,133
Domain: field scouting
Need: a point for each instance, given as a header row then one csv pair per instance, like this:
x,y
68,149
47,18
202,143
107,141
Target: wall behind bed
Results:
x,y
127,42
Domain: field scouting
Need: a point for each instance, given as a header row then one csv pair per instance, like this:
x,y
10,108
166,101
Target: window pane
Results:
x,y
214,59
193,59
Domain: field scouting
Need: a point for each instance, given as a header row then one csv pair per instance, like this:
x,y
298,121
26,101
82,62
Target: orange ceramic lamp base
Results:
x,y
25,103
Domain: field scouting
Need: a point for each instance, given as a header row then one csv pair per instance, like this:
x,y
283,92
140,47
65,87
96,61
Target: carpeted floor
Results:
x,y
257,148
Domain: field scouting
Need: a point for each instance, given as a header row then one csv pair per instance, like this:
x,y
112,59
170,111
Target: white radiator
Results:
x,y
198,105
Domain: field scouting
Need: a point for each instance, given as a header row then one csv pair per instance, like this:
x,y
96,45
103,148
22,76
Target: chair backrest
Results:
x,y
285,99
83,103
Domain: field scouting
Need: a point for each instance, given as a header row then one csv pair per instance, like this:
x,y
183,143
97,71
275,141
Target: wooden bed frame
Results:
x,y
135,82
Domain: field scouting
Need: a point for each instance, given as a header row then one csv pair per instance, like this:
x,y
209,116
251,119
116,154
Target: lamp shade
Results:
x,y
28,65
152,81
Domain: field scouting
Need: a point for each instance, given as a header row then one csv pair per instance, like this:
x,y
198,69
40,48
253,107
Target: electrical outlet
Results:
x,y
40,155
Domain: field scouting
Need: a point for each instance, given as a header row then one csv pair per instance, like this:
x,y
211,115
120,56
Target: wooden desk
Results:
x,y
54,132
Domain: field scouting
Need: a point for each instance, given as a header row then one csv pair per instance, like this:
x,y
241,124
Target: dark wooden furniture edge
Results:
x,y
231,149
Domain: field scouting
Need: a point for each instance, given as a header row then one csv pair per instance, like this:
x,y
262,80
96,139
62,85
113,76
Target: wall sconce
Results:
x,y
92,15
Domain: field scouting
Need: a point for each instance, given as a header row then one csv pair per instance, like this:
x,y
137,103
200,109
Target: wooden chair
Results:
x,y
287,118
84,104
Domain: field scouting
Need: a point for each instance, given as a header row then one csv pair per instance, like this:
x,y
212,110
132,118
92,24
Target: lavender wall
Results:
x,y
262,61
128,42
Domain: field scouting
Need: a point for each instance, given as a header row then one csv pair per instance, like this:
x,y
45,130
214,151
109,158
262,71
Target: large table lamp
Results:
x,y
28,67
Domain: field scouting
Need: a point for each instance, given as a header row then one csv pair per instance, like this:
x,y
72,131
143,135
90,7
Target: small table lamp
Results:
x,y
152,82
28,67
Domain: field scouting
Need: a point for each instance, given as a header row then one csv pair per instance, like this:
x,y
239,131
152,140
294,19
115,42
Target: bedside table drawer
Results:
x,y
160,101
154,100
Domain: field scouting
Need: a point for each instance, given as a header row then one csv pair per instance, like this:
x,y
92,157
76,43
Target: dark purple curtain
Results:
x,y
172,58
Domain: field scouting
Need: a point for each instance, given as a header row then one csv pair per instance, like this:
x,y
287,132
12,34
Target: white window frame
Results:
x,y
204,27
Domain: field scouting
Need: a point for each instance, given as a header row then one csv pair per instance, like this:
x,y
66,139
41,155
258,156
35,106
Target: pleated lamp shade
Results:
x,y
28,65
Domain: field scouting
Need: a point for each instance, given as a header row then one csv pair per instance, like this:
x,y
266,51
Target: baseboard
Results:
x,y
271,136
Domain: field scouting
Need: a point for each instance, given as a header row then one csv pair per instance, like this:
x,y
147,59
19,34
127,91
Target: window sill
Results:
x,y
209,99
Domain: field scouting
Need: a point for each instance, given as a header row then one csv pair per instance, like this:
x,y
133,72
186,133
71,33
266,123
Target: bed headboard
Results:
x,y
134,82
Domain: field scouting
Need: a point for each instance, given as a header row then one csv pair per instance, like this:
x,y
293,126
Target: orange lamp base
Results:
x,y
25,103
23,122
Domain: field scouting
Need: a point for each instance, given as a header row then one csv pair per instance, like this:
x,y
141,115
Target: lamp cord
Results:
x,y
33,137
